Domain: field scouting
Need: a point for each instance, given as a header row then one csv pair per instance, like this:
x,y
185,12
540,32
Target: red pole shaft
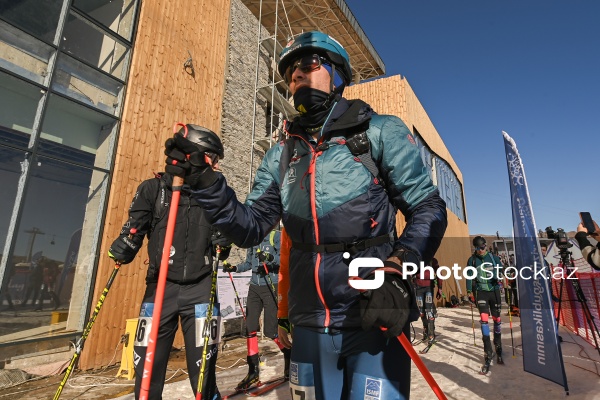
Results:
x,y
160,289
419,363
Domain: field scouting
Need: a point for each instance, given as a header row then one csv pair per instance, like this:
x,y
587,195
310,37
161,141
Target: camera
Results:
x,y
560,237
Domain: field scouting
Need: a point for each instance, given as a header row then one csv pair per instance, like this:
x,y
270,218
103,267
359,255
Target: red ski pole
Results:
x,y
237,296
162,281
419,363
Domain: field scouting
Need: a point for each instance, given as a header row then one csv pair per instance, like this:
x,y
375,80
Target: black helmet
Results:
x,y
207,139
479,241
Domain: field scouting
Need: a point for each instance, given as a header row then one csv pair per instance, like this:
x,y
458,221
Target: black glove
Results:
x,y
224,254
186,159
217,239
125,248
284,323
471,297
388,306
264,256
228,267
261,269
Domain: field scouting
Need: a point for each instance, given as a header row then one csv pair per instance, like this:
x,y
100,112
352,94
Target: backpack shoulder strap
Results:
x,y
286,157
160,204
360,147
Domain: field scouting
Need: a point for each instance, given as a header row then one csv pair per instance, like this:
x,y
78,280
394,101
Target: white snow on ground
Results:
x,y
454,363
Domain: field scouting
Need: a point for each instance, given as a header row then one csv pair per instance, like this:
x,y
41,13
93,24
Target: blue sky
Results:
x,y
530,68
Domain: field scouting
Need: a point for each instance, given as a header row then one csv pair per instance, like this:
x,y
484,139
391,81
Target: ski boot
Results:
x,y
499,359
430,342
486,364
425,336
489,355
253,376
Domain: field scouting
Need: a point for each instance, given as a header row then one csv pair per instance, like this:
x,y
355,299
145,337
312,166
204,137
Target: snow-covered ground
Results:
x,y
454,363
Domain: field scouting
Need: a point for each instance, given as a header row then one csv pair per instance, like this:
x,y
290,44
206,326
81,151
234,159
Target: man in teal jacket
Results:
x,y
337,184
486,287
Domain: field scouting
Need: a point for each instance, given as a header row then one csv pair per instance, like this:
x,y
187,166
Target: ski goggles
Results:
x,y
306,64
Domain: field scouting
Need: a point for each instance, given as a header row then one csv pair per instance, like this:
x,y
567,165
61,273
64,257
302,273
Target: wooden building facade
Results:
x,y
187,61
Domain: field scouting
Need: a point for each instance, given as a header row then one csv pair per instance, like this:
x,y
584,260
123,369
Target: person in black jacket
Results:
x,y
188,287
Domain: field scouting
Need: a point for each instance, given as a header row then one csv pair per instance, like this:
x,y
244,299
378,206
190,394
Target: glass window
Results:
x,y
23,54
38,17
10,171
53,245
18,104
114,14
80,82
76,133
89,43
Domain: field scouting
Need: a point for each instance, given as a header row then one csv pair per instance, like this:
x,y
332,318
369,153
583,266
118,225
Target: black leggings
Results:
x,y
259,297
188,303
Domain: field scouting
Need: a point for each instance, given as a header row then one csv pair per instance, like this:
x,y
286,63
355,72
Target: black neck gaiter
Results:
x,y
313,105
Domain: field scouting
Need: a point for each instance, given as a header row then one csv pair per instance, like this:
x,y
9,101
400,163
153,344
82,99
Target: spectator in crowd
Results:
x,y
589,251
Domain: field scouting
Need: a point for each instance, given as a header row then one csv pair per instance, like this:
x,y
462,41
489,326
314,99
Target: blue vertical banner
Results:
x,y
542,355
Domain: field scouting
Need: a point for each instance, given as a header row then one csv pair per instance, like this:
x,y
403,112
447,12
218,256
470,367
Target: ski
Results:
x,y
429,345
267,387
257,389
418,342
233,394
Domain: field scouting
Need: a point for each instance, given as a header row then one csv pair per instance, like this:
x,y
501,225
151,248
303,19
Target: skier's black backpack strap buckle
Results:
x,y
360,147
352,248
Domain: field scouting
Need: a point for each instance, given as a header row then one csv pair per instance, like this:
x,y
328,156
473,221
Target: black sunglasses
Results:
x,y
306,64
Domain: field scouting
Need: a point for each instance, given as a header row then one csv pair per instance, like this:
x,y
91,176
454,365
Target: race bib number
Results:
x,y
144,326
211,327
142,333
302,385
428,298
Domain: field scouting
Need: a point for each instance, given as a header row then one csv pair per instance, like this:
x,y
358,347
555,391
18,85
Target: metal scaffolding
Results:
x,y
281,20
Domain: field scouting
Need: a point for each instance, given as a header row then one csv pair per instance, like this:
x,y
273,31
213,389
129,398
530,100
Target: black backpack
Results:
x,y
454,301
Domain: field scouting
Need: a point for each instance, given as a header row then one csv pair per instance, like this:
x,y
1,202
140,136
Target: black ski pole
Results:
x,y
509,299
237,296
473,322
269,282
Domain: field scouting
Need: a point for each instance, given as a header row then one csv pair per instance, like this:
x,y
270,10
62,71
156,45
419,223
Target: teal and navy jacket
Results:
x,y
488,276
325,195
270,244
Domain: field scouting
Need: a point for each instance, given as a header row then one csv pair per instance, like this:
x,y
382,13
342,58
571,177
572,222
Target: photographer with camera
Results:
x,y
589,251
